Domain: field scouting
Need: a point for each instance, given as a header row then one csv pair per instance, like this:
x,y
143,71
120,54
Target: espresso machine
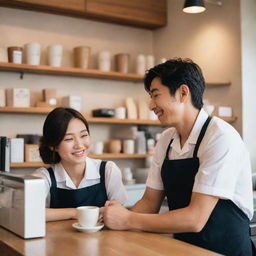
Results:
x,y
22,204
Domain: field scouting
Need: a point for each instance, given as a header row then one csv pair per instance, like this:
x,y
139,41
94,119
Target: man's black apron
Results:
x,y
94,195
227,230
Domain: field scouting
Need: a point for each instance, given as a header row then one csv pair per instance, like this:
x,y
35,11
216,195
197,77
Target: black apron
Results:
x,y
227,229
94,195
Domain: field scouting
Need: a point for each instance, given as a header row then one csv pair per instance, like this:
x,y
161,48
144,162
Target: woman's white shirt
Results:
x,y
113,179
225,169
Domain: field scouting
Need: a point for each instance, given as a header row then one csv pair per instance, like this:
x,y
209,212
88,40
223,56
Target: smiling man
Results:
x,y
200,165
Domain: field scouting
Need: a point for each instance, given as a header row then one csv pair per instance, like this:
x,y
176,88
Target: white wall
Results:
x,y
18,27
248,35
211,39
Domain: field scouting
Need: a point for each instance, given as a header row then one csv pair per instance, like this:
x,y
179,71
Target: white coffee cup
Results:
x,y
33,53
104,61
54,54
98,147
128,146
120,112
88,216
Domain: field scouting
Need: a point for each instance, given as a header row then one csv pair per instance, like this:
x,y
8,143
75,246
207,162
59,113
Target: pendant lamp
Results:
x,y
194,6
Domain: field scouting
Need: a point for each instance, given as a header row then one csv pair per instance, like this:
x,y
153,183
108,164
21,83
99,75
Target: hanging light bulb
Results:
x,y
194,6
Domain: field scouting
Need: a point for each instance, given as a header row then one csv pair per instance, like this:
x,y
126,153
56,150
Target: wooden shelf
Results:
x,y
101,156
28,165
119,156
217,84
67,71
100,120
30,110
79,72
231,119
95,120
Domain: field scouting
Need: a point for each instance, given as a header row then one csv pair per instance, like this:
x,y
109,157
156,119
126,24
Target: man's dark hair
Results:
x,y
175,72
54,130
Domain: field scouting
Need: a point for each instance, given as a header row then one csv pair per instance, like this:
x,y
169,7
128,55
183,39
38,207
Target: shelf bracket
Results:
x,y
21,75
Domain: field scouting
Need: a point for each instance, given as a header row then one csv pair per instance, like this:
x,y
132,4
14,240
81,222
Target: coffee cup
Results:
x,y
88,216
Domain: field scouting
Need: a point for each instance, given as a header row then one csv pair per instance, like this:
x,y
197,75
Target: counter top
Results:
x,y
62,239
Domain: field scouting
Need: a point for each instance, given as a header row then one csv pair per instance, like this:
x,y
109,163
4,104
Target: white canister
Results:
x,y
128,146
33,53
98,147
54,54
140,64
104,61
120,113
150,62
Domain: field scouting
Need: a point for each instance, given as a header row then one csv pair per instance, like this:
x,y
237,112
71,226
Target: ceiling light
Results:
x,y
194,6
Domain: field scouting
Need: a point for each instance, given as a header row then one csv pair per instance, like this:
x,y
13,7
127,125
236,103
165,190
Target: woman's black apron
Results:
x,y
94,195
227,230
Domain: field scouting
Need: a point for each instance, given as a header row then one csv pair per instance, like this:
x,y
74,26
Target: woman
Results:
x,y
73,178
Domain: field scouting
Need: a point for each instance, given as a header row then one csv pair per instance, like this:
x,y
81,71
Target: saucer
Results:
x,y
80,228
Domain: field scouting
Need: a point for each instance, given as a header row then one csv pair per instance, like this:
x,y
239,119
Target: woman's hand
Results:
x,y
115,216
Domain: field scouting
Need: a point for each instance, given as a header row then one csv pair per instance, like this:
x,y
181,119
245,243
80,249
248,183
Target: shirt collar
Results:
x,y
193,136
92,172
201,118
92,169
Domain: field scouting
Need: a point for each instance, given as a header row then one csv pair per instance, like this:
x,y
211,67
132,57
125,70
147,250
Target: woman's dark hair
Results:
x,y
54,130
175,72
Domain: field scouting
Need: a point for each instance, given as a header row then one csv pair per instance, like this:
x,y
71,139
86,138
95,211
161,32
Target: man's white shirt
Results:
x,y
225,169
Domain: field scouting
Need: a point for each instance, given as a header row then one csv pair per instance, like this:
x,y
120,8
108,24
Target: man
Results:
x,y
200,165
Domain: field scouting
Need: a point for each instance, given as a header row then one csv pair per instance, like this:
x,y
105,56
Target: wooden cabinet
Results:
x,y
146,13
139,13
68,6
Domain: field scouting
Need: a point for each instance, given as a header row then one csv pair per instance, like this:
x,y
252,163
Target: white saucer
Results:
x,y
96,228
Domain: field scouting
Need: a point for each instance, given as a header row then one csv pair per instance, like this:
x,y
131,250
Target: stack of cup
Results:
x,y
82,56
122,62
140,64
54,55
104,61
150,61
128,146
32,53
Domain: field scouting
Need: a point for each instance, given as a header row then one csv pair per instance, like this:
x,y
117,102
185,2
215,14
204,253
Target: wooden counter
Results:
x,y
62,239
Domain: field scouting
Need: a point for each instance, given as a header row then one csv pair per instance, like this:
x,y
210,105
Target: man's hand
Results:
x,y
115,216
